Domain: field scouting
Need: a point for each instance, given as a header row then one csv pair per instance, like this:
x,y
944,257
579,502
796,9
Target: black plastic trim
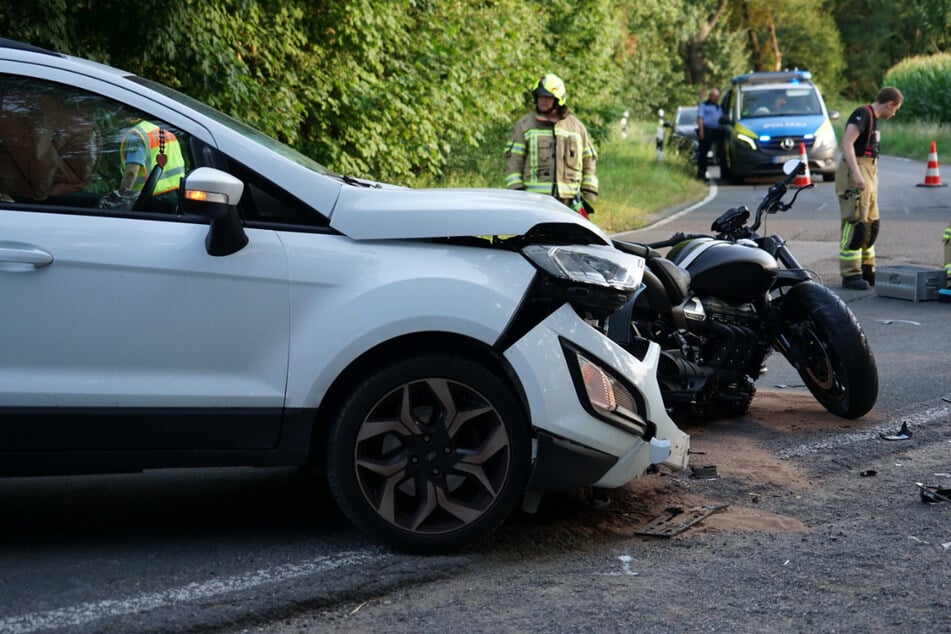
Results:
x,y
58,441
561,465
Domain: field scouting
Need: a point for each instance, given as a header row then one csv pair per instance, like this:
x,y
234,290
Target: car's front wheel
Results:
x,y
428,453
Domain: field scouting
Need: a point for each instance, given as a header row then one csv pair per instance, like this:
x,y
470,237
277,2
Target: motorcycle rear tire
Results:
x,y
829,350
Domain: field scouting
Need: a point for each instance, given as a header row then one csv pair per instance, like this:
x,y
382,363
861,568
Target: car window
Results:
x,y
687,116
61,146
265,204
727,103
237,126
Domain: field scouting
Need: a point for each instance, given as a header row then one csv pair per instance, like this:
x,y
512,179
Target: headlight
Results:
x,y
825,136
750,141
585,264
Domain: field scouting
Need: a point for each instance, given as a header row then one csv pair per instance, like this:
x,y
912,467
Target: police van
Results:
x,y
767,118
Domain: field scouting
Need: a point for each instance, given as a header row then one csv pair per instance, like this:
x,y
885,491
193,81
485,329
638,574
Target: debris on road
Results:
x,y
889,322
902,434
703,472
665,526
931,494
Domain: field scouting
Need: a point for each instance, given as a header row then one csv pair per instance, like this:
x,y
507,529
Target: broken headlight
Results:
x,y
596,280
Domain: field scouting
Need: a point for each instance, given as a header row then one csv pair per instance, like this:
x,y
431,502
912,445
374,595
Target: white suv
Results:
x,y
440,352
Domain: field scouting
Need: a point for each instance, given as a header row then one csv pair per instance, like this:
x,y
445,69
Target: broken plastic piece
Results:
x,y
704,472
664,526
868,473
933,495
902,434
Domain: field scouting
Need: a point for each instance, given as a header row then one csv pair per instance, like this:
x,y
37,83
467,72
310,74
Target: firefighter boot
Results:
x,y
868,274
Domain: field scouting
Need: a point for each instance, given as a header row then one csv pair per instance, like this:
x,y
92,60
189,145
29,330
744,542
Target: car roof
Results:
x,y
23,46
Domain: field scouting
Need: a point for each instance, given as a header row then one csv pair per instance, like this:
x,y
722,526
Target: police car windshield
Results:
x,y
779,102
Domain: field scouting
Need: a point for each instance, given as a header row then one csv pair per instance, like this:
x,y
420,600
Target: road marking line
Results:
x,y
683,212
84,613
925,417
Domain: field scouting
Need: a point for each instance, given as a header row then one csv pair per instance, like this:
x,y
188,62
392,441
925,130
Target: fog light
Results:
x,y
604,392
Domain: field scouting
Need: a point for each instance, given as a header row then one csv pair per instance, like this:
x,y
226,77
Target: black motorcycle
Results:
x,y
718,305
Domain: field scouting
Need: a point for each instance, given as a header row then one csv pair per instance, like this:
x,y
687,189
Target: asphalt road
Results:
x,y
807,544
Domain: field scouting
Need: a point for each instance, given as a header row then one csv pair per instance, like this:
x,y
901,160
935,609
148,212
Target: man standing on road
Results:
x,y
708,129
856,185
550,152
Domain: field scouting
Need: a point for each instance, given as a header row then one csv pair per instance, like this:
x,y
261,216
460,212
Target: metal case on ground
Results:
x,y
909,281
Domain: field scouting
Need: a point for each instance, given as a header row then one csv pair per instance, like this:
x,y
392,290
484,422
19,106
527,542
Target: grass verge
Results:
x,y
634,184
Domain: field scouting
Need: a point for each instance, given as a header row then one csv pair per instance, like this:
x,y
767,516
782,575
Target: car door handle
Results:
x,y
18,253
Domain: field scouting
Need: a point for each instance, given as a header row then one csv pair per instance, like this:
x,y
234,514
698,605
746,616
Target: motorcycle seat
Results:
x,y
675,278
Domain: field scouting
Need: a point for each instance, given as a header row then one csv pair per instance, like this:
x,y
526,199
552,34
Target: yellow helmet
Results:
x,y
551,86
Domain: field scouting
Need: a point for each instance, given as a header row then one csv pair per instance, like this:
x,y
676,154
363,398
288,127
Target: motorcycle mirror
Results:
x,y
790,166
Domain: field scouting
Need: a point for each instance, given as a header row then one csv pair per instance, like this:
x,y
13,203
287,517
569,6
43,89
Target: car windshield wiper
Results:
x,y
350,180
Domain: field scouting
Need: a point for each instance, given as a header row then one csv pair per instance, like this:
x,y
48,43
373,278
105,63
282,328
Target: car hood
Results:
x,y
381,213
785,126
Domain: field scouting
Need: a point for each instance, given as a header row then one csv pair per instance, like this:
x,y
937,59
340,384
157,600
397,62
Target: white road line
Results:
x,y
925,417
683,212
84,613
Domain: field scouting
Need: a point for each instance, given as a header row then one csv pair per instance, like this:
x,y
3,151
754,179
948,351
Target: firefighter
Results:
x,y
856,185
550,152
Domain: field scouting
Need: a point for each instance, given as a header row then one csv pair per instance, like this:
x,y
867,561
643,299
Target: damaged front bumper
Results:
x,y
596,409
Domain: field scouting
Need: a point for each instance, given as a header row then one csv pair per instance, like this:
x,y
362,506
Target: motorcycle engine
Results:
x,y
730,341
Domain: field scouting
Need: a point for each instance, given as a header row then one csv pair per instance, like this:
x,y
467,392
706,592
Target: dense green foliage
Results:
x,y
418,91
878,34
926,84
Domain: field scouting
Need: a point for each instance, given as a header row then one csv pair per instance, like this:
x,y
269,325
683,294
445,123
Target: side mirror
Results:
x,y
214,194
794,166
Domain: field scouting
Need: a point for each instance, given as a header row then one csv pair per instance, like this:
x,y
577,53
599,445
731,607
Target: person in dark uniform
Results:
x,y
708,129
856,185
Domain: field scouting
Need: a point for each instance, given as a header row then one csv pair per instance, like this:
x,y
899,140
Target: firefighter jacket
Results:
x,y
142,144
551,158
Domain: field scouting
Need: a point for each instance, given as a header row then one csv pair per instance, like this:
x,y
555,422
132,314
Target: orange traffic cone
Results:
x,y
804,179
932,178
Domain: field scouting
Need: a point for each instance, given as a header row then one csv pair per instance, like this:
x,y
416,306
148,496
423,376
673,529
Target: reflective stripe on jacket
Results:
x,y
151,137
556,159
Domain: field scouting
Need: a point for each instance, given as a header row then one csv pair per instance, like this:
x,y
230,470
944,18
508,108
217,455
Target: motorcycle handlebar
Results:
x,y
771,200
775,195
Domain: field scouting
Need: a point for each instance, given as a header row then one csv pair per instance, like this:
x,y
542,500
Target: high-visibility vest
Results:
x,y
156,141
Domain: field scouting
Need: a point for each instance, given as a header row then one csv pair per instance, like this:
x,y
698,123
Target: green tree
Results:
x,y
876,34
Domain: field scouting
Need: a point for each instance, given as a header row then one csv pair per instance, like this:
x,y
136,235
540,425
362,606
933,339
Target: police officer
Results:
x,y
856,185
549,150
708,129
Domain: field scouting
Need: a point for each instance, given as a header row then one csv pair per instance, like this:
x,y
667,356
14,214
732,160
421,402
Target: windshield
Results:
x,y
779,102
687,116
242,129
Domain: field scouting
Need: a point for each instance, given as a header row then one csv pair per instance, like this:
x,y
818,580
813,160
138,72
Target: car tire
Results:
x,y
429,453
